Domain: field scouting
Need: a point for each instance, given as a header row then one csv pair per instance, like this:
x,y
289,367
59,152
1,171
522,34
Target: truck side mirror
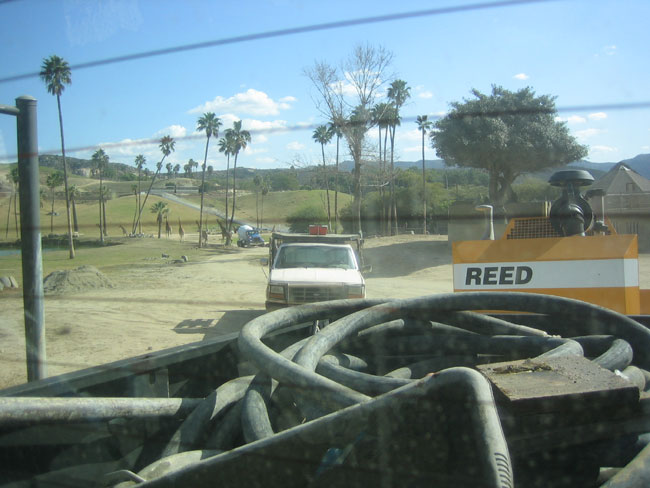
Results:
x,y
264,261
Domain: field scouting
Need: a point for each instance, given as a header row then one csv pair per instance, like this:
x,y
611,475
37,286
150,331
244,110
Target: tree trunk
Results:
x,y
8,217
104,216
52,214
65,182
101,198
16,213
149,190
139,201
327,188
227,189
234,192
336,190
205,159
74,214
424,191
393,204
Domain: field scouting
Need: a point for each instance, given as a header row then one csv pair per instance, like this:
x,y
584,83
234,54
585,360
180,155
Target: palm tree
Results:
x,y
55,72
160,209
139,163
323,135
424,124
73,191
240,139
210,123
398,93
177,169
226,147
166,147
54,179
169,167
100,160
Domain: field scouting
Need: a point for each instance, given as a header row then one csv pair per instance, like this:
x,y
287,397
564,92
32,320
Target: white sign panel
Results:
x,y
590,273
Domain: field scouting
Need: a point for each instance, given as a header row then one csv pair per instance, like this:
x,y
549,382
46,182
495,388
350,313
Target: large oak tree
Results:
x,y
507,134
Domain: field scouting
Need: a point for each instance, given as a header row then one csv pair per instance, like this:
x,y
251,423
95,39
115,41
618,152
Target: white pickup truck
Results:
x,y
306,268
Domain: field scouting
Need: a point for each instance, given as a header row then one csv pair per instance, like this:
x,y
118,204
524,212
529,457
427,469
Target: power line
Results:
x,y
301,127
288,32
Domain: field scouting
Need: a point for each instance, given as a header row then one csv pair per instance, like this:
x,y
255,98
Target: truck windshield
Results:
x,y
314,257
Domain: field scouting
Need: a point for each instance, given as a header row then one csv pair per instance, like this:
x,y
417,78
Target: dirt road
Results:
x,y
174,304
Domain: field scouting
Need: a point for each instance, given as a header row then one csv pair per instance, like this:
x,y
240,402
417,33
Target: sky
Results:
x,y
592,55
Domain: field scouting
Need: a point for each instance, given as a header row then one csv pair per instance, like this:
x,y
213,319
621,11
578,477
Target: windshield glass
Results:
x,y
477,156
314,257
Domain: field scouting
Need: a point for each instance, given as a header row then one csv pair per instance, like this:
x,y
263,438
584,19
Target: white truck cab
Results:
x,y
307,268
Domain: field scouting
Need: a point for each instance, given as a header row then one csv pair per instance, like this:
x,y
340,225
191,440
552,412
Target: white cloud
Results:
x,y
253,102
260,139
176,131
344,88
295,146
521,76
410,135
587,133
610,50
576,119
573,119
415,149
425,94
603,149
645,148
255,150
598,116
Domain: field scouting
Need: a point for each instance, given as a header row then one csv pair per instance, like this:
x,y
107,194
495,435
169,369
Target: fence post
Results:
x,y
30,237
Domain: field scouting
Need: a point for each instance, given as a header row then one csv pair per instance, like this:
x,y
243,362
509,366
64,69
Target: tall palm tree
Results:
x,y
210,123
424,125
100,160
240,139
398,93
160,209
55,72
169,167
139,163
166,146
177,169
227,148
54,179
323,135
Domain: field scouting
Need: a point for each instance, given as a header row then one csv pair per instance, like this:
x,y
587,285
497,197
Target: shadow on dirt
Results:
x,y
405,258
231,321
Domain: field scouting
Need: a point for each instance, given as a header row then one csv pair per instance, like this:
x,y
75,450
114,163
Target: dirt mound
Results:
x,y
75,280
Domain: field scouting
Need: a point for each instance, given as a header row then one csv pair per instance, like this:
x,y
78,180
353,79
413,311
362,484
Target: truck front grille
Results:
x,y
309,294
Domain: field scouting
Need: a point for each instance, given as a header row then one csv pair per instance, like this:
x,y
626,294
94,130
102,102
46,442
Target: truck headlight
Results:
x,y
276,291
356,291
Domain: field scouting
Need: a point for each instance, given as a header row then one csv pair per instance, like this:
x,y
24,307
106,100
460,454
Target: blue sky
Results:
x,y
590,54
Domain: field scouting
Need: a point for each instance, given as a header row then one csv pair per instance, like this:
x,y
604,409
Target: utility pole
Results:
x,y
30,233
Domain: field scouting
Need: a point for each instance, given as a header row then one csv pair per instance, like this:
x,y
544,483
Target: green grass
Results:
x,y
129,253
